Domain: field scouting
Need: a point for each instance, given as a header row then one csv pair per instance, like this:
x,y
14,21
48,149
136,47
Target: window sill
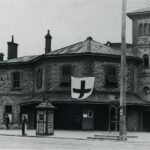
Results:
x,y
16,89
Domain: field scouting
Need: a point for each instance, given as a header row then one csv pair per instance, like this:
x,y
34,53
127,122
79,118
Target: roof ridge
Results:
x,y
66,46
89,45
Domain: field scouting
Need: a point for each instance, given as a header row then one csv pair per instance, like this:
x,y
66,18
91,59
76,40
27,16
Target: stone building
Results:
x,y
24,81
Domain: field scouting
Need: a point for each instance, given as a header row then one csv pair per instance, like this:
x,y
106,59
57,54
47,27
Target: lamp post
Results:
x,y
122,127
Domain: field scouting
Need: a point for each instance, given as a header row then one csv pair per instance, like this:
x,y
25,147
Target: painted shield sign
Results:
x,y
82,88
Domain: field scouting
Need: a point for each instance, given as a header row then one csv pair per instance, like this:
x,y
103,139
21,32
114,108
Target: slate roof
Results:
x,y
88,46
139,11
20,59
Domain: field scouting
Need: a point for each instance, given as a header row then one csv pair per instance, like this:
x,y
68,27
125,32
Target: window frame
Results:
x,y
145,61
140,29
111,76
39,78
14,80
66,75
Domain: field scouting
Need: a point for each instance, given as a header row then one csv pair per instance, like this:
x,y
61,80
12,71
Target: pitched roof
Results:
x,y
90,46
139,11
20,59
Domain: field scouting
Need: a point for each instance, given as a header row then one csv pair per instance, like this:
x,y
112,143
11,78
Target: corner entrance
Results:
x,y
68,117
81,117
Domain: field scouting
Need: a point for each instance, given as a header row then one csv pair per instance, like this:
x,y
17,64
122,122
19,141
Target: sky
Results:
x,y
69,22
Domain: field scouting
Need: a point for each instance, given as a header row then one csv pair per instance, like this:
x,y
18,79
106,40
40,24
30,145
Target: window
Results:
x,y
16,79
66,75
145,60
145,29
39,77
41,117
8,109
140,29
90,113
110,77
146,90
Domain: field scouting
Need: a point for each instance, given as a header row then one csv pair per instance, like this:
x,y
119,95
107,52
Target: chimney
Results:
x,y
12,49
1,56
48,39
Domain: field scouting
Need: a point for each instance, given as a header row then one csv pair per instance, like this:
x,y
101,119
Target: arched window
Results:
x,y
140,29
145,60
39,76
145,29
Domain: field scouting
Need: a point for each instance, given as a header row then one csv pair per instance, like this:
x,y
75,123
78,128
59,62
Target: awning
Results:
x,y
32,100
95,98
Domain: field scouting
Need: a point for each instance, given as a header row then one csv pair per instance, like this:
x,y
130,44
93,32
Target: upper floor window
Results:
x,y
111,77
66,73
39,77
140,29
16,79
145,29
145,60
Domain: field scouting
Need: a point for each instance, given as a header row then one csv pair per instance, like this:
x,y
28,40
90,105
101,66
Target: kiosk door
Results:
x,y
87,121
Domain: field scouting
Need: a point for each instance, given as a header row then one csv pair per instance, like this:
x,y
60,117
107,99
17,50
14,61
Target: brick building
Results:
x,y
24,80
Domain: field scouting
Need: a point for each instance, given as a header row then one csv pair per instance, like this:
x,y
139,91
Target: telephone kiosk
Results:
x,y
45,119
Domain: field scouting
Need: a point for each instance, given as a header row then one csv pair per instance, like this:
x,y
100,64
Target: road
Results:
x,y
14,142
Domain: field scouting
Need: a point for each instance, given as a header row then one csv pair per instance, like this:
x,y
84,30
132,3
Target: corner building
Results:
x,y
24,81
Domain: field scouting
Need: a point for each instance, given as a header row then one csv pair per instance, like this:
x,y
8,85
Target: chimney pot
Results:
x,y
1,56
48,39
12,49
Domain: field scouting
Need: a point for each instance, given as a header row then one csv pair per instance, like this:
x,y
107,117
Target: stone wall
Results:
x,y
14,101
26,78
85,68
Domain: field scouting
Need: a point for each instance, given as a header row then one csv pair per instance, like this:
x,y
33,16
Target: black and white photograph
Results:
x,y
75,74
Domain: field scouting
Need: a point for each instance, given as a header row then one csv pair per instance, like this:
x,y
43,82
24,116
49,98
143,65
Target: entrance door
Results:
x,y
68,117
87,121
146,121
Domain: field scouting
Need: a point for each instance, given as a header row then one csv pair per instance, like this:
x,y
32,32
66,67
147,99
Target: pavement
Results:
x,y
80,135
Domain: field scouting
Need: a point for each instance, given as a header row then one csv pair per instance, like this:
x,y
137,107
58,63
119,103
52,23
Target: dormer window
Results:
x,y
145,60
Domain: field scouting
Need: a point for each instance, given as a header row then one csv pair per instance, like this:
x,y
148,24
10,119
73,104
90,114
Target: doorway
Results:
x,y
146,121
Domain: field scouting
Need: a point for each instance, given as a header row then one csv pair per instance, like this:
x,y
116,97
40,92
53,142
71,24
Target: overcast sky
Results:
x,y
69,21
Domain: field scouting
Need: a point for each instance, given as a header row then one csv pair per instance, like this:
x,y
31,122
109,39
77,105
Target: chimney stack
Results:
x,y
12,49
48,39
1,56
